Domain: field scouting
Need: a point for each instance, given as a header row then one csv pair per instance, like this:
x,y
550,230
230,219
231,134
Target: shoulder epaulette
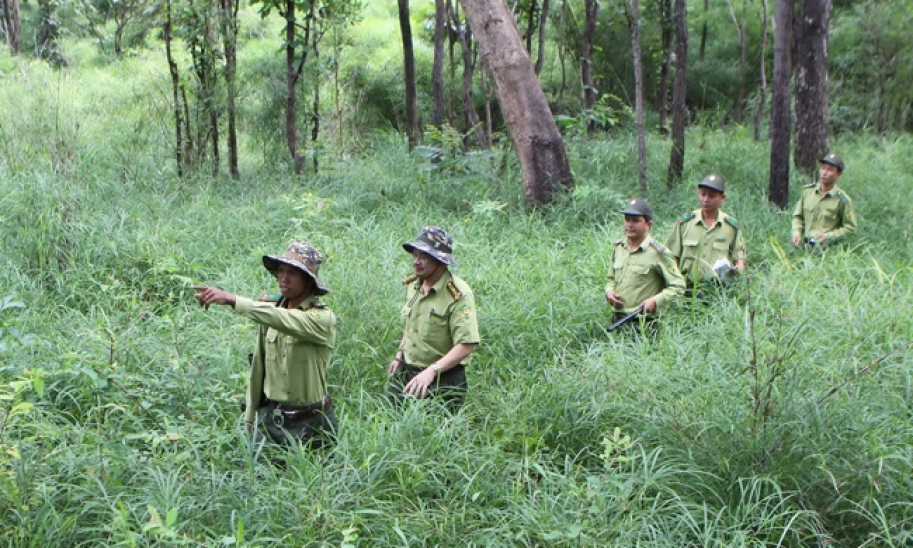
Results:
x,y
660,247
455,293
688,217
843,197
811,185
409,278
318,304
733,222
619,241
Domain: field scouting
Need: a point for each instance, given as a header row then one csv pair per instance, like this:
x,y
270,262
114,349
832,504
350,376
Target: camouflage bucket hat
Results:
x,y
434,241
639,208
713,182
834,160
302,256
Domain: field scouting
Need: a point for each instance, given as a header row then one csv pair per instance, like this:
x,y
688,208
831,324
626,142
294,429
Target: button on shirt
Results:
x,y
644,272
437,321
698,246
293,351
831,213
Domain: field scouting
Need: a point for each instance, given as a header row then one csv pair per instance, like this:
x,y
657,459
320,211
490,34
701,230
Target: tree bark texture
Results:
x,y
12,25
811,84
229,28
540,148
590,95
634,24
779,105
437,69
762,92
679,108
291,79
413,131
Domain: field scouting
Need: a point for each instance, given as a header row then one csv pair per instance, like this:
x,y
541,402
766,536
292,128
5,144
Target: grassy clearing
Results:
x,y
778,415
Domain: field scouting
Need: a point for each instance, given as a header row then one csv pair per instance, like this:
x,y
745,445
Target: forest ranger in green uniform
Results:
x,y
440,330
287,391
825,213
642,272
707,235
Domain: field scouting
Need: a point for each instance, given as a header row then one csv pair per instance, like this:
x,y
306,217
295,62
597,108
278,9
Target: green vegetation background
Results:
x,y
778,415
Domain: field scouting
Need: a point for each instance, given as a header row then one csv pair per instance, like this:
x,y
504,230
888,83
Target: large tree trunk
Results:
x,y
413,131
590,95
811,84
540,149
437,70
12,25
679,109
662,90
779,105
763,87
634,25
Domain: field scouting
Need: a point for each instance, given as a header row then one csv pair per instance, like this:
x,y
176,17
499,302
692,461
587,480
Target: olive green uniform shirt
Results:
x,y
831,214
435,322
293,352
646,271
698,246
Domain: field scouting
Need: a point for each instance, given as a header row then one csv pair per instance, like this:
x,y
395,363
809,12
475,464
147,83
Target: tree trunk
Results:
x,y
175,91
12,25
700,53
470,116
291,78
315,113
779,105
48,32
437,71
740,30
763,89
540,149
229,27
543,19
590,95
679,109
634,25
413,131
662,90
811,85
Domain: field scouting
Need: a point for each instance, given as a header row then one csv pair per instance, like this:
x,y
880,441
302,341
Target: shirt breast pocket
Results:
x,y
721,247
437,326
639,270
831,214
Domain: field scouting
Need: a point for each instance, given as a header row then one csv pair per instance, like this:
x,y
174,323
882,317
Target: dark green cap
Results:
x,y
713,182
834,160
639,208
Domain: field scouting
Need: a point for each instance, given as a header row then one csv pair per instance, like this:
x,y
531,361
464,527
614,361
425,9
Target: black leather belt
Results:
x,y
303,410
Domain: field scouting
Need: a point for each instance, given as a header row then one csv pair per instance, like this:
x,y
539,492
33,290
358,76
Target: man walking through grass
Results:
x,y
440,330
825,213
707,243
287,393
642,277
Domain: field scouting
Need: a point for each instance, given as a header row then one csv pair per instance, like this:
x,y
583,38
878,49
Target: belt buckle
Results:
x,y
278,417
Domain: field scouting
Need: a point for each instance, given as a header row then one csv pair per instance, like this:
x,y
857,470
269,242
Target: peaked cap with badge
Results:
x,y
714,182
302,256
638,208
834,160
434,241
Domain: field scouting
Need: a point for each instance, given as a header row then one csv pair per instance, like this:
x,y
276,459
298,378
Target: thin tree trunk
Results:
x,y
740,30
561,52
413,131
315,113
759,113
229,26
540,149
679,88
175,91
12,25
634,25
779,115
437,70
485,83
662,90
590,94
530,26
700,54
811,85
451,40
543,19
470,116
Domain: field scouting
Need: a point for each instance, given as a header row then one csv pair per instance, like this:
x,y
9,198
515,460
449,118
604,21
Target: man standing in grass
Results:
x,y
643,276
440,330
707,243
825,213
287,392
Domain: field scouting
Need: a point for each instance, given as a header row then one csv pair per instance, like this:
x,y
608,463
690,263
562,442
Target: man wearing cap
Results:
x,y
440,330
287,391
708,242
643,275
825,213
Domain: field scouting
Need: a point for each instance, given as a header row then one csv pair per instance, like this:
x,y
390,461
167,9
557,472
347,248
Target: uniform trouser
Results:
x,y
450,386
313,429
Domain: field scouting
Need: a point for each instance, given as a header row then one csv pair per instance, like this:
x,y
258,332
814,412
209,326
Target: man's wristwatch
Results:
x,y
436,367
